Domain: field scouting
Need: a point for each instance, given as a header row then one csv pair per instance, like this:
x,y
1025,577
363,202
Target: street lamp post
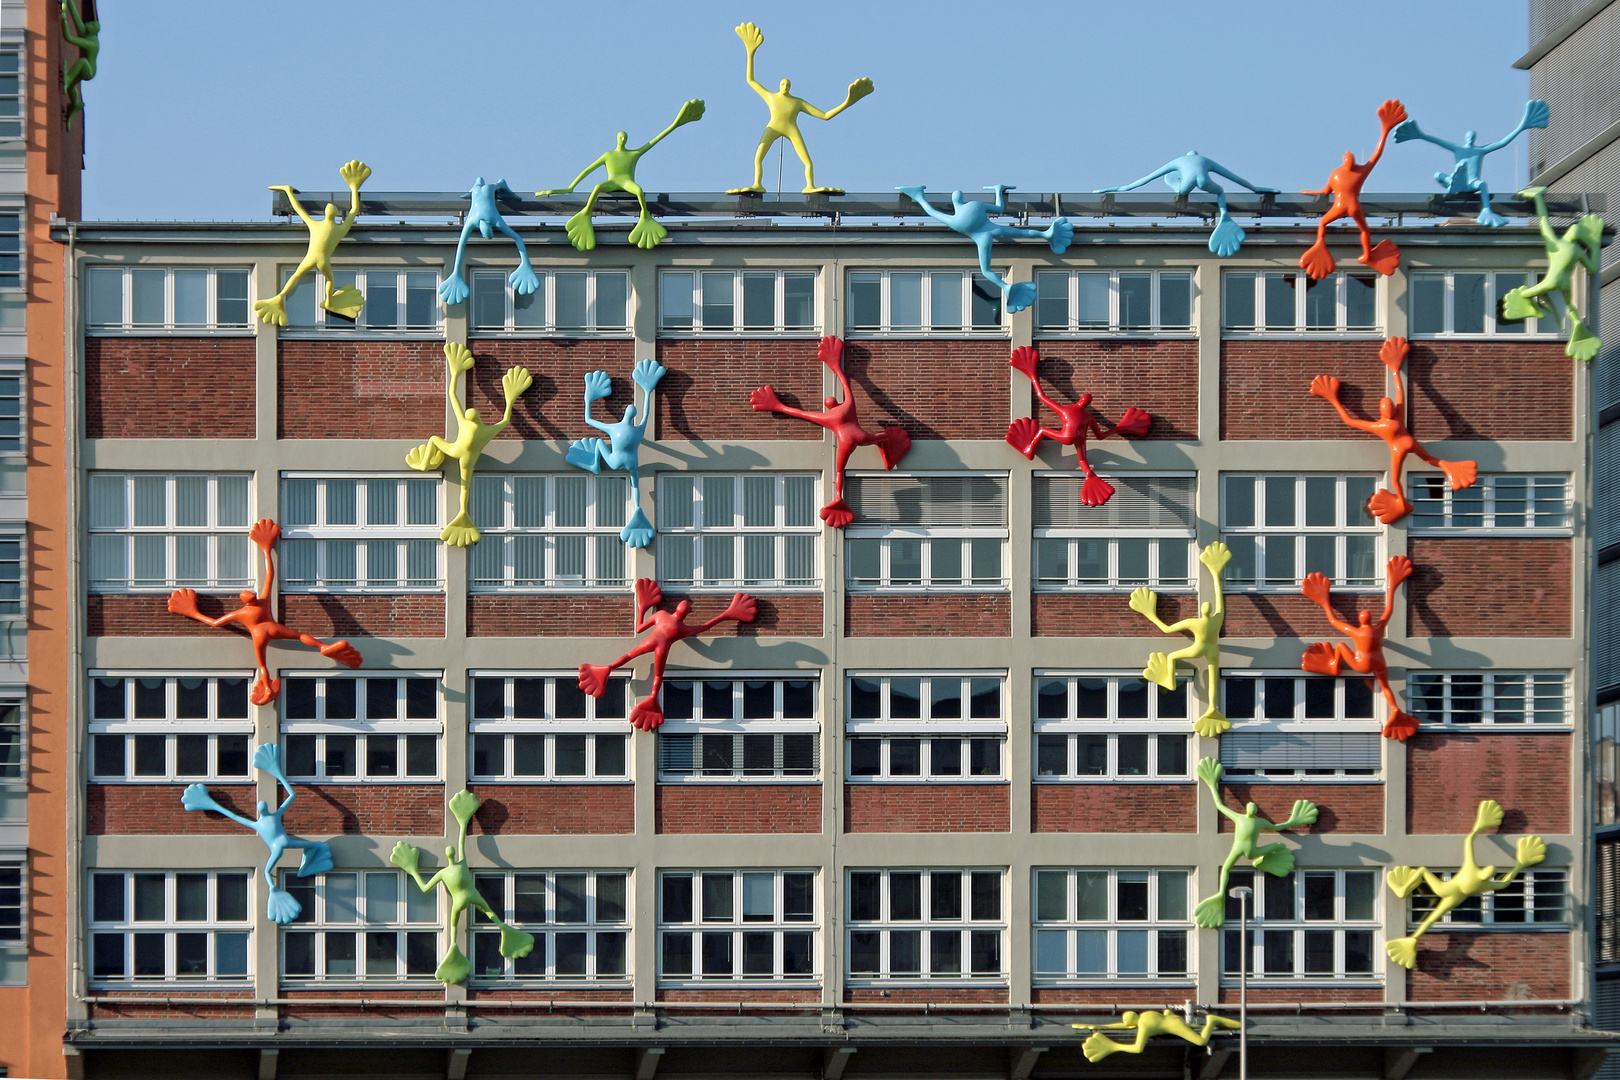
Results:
x,y
1242,894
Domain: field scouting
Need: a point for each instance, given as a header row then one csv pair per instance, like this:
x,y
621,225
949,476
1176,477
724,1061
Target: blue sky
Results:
x,y
198,106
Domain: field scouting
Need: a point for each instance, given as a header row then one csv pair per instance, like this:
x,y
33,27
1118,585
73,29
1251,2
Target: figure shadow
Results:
x,y
492,815
1420,365
857,368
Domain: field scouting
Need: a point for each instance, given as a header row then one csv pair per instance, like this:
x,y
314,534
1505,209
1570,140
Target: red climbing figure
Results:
x,y
1345,187
257,617
1025,434
1368,656
1391,505
667,628
840,419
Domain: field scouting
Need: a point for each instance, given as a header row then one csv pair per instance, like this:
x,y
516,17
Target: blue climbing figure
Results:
x,y
279,905
1193,170
485,216
972,220
1464,175
622,448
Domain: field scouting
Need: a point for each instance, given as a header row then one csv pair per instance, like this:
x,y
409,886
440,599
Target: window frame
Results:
x,y
1152,925
1339,926
312,892
214,726
925,536
1368,730
126,326
11,64
171,533
170,926
1445,679
886,925
362,534
20,444
1426,487
359,277
1420,903
14,950
1073,536
401,726
481,932
13,281
1302,284
1345,505
778,329
1115,329
778,926
925,728
509,534
1071,727
967,328
509,727
778,531
14,767
739,730
546,294
1527,329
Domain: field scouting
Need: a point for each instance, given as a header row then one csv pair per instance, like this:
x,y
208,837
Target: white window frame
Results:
x,y
1339,926
507,539
886,730
699,732
887,536
1162,916
705,542
499,888
1155,326
1302,283
885,327
886,926
219,555
13,738
1159,734
1531,895
214,728
128,928
668,284
737,927
1260,538
1102,528
1436,506
546,297
13,574
314,919
13,404
400,726
1495,290
1360,737
408,543
595,724
126,323
14,929
360,277
11,224
11,105
1535,686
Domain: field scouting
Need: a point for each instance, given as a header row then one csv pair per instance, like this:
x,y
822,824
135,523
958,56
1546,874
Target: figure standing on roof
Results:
x,y
1193,170
1345,186
1465,173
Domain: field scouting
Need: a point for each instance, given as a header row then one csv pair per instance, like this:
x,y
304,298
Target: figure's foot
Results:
x,y
1400,727
1227,237
585,454
1211,912
265,691
346,302
1490,217
1023,436
1278,863
425,457
1098,1046
316,860
1059,235
271,311
1319,658
455,967
1384,257
646,715
579,230
593,678
1020,295
638,531
822,191
524,280
756,189
1516,305
647,234
1388,506
893,443
1583,344
837,514
1095,491
280,907
453,289
1160,669
461,531
1317,262
1403,951
1212,724
1403,879
515,943
1460,474
343,653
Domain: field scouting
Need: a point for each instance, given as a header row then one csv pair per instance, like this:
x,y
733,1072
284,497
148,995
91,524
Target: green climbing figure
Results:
x,y
1205,629
85,34
1146,1025
1578,246
1470,881
324,236
1274,859
620,164
457,880
472,435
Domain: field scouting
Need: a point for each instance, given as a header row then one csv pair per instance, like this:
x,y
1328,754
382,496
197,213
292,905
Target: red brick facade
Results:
x,y
147,615
155,810
1101,614
169,388
554,407
1281,615
1529,393
737,808
1448,774
372,389
1266,388
383,615
1348,808
1112,373
961,995
938,389
927,615
704,395
926,808
604,614
371,808
1476,966
1489,586
779,615
1113,808
547,809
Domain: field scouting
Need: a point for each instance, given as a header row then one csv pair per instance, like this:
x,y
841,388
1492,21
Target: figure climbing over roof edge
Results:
x,y
1577,247
971,218
1465,172
1194,170
485,216
324,236
1344,184
1146,1025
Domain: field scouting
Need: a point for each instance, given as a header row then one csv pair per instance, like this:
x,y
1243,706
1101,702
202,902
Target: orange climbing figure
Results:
x,y
840,419
1368,656
257,617
1025,434
1390,505
1345,187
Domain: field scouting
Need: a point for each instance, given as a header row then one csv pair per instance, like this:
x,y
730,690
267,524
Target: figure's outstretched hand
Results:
x,y
1134,421
860,88
1316,587
692,110
647,373
285,189
1326,386
1210,770
1144,601
830,351
1393,353
1407,130
355,173
743,608
1215,556
515,382
751,37
648,594
184,602
598,385
1400,568
1535,114
1390,113
764,399
1024,358
1530,851
265,533
1304,813
458,357
406,857
267,759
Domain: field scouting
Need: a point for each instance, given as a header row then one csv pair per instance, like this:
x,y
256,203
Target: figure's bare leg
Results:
x,y
1333,214
1366,237
799,148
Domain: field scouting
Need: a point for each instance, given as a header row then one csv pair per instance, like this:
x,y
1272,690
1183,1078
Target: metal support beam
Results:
x,y
455,1065
647,1059
835,1061
1217,1061
1023,1061
269,1061
1398,1061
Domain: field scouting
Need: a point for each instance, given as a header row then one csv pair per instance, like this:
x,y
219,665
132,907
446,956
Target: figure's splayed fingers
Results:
x,y
524,281
1320,659
355,173
184,602
1135,422
1024,358
1316,588
453,289
1212,724
317,859
648,233
1400,726
646,715
638,532
515,943
647,373
837,514
743,608
1403,879
1326,386
579,230
1583,344
893,443
265,533
1020,295
343,653
346,302
585,454
1530,851
1024,435
830,351
271,311
461,532
1059,235
1215,556
1278,862
1391,113
1388,506
515,383
423,458
1160,668
1398,569
1403,951
764,399
1489,816
281,907
1385,257
454,968
593,678
1317,262
1095,491
1227,237
1098,1046
1211,912
1460,474
265,690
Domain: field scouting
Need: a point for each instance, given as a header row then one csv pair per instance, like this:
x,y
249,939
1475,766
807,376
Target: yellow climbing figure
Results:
x,y
472,435
784,121
1205,629
1148,1024
323,240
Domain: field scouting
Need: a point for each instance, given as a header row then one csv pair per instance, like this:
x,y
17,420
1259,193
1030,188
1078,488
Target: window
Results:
x,y
758,530
155,728
941,925
731,301
13,930
11,741
11,576
1310,924
153,532
1291,302
545,532
594,302
578,919
1141,536
10,93
173,298
1499,502
11,245
1100,302
11,412
941,728
1290,727
175,926
739,729
1096,925
1466,304
394,300
366,728
1281,528
1109,727
544,727
1535,898
352,534
360,927
1488,697
737,926
930,532
914,302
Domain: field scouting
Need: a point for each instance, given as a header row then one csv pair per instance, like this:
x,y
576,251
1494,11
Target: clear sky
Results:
x,y
198,106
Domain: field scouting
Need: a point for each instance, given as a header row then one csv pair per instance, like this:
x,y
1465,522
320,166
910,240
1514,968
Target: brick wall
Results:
x,y
372,808
554,407
720,994
1113,808
1529,393
605,614
1278,615
1489,586
737,808
147,615
1112,373
927,615
545,809
779,615
705,393
933,389
1103,615
155,810
1449,774
1285,993
1474,966
1349,808
1104,996
169,388
325,615
1266,388
927,808
370,389
966,995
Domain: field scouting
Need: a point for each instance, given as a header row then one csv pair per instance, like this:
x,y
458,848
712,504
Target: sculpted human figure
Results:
x,y
1193,170
620,164
1469,881
784,121
1577,247
622,448
472,435
1146,1025
1465,172
667,627
1367,658
457,880
83,32
1205,630
257,617
971,218
1345,186
1391,505
485,216
324,236
840,419
1274,859
279,905
1025,435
